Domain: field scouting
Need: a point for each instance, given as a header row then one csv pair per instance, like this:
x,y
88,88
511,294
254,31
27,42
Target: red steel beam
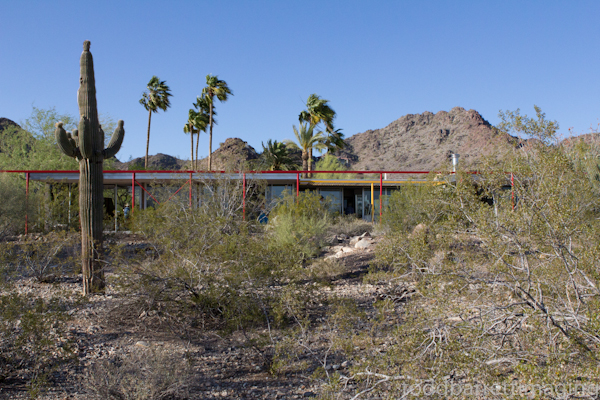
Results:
x,y
149,194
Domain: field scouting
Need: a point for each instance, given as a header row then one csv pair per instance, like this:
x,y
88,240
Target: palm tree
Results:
x,y
157,97
307,141
214,87
203,120
335,141
190,127
318,111
275,157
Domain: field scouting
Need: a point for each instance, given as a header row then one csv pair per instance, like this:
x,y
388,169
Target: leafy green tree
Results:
x,y
517,124
155,98
219,89
33,145
329,162
307,140
275,157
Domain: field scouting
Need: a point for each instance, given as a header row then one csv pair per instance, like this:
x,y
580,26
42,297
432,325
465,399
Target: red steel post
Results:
x,y
132,192
380,195
244,195
26,202
297,184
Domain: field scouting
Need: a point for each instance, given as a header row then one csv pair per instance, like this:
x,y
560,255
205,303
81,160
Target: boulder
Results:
x,y
363,244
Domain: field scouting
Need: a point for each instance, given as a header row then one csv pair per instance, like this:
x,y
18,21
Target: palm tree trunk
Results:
x,y
310,160
197,141
148,140
210,122
191,147
305,162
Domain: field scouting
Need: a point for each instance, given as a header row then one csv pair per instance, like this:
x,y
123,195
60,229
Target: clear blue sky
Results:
x,y
375,61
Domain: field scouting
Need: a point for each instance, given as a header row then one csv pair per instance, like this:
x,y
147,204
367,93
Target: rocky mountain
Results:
x,y
425,141
233,154
158,162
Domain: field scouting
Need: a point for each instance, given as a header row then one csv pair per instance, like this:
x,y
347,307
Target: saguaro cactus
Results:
x,y
86,144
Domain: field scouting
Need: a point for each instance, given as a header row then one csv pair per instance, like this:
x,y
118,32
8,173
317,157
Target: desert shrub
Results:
x,y
42,257
33,339
210,268
410,206
349,225
507,291
299,224
144,374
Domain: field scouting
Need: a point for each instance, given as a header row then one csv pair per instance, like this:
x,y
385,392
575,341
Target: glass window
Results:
x,y
335,198
275,192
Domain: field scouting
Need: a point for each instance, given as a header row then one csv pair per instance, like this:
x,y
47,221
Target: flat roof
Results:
x,y
124,178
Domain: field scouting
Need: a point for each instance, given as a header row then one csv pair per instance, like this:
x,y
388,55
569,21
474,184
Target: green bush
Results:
x,y
210,269
299,224
12,205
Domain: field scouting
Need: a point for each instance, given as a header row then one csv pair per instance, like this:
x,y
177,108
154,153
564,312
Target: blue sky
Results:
x,y
374,61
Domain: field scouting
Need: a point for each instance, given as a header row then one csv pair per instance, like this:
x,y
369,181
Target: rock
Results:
x,y
363,244
423,141
141,343
354,240
366,234
420,229
347,249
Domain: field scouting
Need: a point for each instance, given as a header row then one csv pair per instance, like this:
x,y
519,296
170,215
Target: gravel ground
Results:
x,y
110,327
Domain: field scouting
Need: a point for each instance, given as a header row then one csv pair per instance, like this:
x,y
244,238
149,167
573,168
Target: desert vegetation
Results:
x,y
473,286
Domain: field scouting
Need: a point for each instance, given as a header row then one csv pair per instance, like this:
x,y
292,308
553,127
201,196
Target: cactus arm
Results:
x,y
63,140
86,145
115,141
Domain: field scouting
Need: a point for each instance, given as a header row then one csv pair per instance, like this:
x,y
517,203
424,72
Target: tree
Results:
x,y
307,141
275,157
329,162
157,97
219,89
203,119
190,127
318,111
